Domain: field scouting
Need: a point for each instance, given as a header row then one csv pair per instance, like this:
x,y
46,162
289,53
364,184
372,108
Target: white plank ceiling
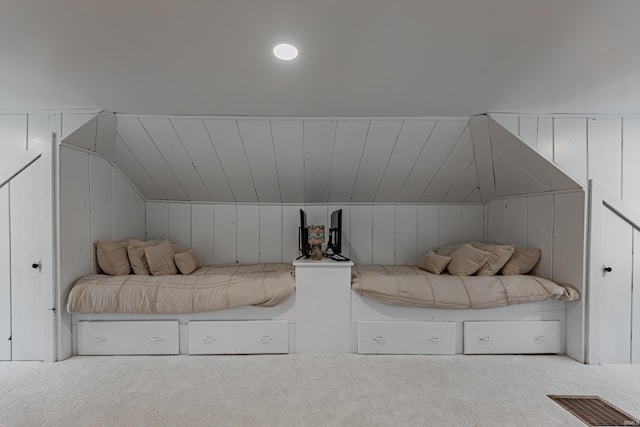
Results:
x,y
296,160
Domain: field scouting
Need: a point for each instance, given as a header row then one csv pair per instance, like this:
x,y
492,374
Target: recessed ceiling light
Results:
x,y
285,51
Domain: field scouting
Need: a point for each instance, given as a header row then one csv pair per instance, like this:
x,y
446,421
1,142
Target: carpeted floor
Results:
x,y
307,390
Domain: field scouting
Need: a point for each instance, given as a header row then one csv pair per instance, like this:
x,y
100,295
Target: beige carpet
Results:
x,y
306,390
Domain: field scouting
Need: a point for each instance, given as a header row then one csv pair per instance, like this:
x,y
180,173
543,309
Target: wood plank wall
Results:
x,y
372,233
603,148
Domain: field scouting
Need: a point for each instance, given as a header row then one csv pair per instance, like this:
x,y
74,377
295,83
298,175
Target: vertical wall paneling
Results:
x,y
383,234
441,141
381,140
346,227
515,227
224,226
136,138
5,275
14,136
349,146
166,140
248,237
428,229
450,224
570,146
157,215
540,232
472,223
202,232
290,237
319,143
271,234
129,165
406,223
39,129
545,137
496,221
100,193
361,234
259,146
316,214
630,169
180,223
122,208
605,153
228,144
411,141
75,217
138,214
194,136
287,143
529,131
451,170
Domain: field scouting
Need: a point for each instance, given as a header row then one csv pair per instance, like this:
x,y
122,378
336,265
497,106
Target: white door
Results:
x,y
615,289
635,304
27,293
5,276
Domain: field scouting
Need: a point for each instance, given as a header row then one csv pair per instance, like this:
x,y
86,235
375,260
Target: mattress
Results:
x,y
411,286
206,289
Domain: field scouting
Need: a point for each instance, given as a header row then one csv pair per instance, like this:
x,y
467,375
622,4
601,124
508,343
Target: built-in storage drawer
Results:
x,y
128,337
239,337
522,337
406,337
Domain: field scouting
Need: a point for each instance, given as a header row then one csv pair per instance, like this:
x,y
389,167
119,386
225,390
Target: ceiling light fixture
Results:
x,y
285,51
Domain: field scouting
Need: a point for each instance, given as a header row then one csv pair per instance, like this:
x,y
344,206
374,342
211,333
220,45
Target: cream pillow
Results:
x,y
434,263
466,260
137,257
187,262
521,262
499,255
112,257
448,249
160,259
178,248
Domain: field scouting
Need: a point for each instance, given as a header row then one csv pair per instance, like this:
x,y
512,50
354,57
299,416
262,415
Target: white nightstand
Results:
x,y
323,306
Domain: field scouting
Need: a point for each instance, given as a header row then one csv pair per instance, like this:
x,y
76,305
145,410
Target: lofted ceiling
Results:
x,y
359,58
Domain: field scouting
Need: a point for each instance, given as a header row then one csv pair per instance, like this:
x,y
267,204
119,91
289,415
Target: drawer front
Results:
x,y
128,338
511,337
239,337
406,337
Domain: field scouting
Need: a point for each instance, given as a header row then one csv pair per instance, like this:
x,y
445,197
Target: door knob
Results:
x,y
36,265
607,269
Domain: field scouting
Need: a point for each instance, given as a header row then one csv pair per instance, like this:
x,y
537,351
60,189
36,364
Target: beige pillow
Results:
x,y
160,259
136,255
178,248
448,249
187,262
112,257
521,262
499,255
434,263
466,260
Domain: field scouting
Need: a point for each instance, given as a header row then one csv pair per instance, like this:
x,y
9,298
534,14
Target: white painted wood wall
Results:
x,y
603,148
96,203
372,233
555,224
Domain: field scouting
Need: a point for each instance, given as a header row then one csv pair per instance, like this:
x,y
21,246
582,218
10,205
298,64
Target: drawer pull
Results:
x,y
541,338
435,339
155,339
208,339
485,338
266,339
379,339
98,339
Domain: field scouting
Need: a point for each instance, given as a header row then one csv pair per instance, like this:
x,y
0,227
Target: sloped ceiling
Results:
x,y
374,58
294,160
